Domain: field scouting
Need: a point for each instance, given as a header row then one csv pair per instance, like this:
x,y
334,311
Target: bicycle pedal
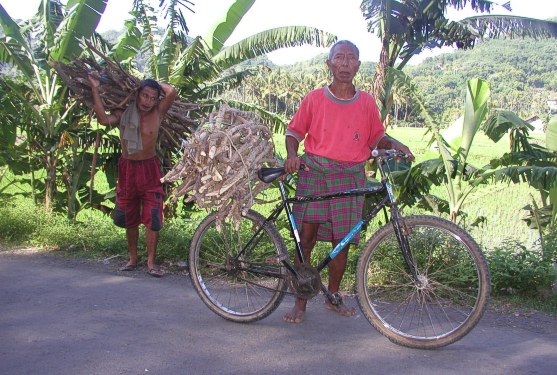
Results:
x,y
335,299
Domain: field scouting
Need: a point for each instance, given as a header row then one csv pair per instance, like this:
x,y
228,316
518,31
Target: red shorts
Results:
x,y
139,194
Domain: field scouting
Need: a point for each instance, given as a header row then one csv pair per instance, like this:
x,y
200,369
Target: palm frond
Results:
x,y
223,28
129,43
193,67
544,178
44,25
12,31
511,27
79,24
500,122
271,40
12,53
173,12
147,22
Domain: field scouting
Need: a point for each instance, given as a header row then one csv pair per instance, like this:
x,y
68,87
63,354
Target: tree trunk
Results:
x,y
50,183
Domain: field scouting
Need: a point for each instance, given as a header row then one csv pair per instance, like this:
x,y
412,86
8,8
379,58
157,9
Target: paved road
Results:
x,y
62,316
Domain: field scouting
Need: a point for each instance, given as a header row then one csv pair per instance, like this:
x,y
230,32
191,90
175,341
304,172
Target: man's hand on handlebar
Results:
x,y
292,165
398,155
387,143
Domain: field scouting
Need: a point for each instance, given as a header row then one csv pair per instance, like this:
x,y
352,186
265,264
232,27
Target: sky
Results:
x,y
340,17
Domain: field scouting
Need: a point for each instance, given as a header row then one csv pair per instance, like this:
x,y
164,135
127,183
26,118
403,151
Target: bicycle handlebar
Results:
x,y
268,175
389,154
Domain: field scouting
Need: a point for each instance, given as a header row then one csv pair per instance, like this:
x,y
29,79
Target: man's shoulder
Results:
x,y
316,93
366,95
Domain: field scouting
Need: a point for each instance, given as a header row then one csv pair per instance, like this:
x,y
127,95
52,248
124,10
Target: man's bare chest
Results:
x,y
149,126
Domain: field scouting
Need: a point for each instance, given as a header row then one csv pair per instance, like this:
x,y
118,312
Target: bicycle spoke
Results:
x,y
446,300
235,281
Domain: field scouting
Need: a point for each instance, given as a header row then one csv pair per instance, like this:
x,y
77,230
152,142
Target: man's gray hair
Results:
x,y
331,51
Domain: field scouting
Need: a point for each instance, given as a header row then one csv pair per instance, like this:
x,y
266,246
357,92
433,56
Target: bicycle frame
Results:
x,y
388,200
421,280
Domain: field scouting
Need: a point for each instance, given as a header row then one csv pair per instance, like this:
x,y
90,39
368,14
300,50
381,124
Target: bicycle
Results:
x,y
421,281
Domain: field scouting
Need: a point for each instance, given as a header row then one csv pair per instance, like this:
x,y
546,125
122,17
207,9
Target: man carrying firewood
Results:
x,y
340,125
139,192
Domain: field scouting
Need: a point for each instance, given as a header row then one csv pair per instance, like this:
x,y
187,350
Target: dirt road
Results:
x,y
67,316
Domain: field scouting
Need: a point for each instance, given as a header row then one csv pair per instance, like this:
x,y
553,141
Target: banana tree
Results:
x,y
454,146
204,67
406,27
446,162
58,30
531,163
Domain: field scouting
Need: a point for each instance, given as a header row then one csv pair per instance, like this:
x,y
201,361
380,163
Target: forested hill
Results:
x,y
522,75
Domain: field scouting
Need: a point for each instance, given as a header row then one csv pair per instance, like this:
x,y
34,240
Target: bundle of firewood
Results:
x,y
117,88
219,165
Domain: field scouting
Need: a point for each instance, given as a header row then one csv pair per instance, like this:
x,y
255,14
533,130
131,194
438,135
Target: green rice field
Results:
x,y
500,203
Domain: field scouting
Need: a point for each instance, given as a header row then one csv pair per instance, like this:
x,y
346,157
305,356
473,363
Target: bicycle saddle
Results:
x,y
270,174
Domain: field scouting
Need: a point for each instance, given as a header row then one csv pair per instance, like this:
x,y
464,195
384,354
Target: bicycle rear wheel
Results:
x,y
452,292
242,288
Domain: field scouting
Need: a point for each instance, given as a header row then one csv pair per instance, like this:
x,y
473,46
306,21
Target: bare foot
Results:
x,y
296,315
341,308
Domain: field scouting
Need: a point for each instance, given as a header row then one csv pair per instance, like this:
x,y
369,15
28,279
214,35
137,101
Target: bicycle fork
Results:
x,y
402,232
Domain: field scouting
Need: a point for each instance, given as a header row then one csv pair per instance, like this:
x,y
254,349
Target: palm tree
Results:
x,y
406,27
204,67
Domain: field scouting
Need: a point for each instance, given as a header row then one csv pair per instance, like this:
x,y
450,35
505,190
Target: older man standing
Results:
x,y
339,125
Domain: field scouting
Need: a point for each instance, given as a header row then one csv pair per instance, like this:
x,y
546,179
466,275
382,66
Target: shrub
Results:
x,y
517,269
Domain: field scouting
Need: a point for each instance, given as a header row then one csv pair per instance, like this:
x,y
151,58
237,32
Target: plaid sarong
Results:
x,y
335,216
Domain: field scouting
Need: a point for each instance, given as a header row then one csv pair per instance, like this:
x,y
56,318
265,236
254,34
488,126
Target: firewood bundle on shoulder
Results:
x,y
117,88
219,165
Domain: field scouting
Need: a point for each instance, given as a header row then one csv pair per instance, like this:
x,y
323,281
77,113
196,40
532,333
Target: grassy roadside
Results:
x,y
94,236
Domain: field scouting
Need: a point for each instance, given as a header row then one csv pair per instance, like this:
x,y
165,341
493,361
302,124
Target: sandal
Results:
x,y
155,272
128,267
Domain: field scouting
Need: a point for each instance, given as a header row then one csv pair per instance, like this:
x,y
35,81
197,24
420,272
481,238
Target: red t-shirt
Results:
x,y
341,130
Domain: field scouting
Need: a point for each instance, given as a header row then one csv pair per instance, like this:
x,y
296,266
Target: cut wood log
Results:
x,y
117,88
220,160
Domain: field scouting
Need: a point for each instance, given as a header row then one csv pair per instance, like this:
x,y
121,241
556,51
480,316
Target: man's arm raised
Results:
x,y
169,96
102,117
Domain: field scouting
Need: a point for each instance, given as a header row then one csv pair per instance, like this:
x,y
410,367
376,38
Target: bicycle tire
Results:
x,y
245,290
454,289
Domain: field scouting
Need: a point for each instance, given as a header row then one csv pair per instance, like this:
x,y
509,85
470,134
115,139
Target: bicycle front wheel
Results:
x,y
446,301
238,281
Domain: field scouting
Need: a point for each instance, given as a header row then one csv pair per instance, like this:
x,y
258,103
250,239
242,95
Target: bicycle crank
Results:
x,y
308,283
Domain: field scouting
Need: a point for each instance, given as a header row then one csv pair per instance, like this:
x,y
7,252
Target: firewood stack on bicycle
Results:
x,y
219,163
